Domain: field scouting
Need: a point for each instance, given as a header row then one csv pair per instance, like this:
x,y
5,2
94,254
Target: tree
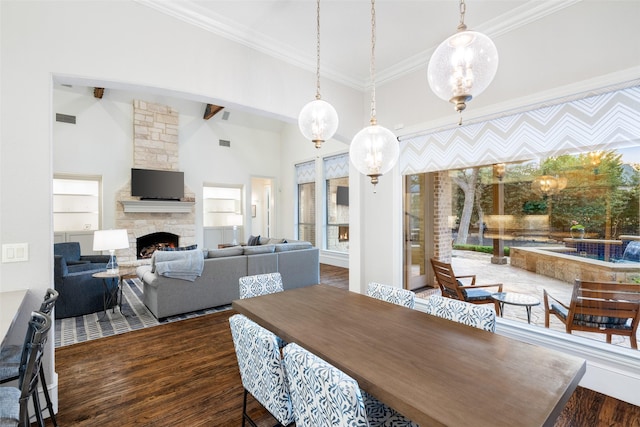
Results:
x,y
466,180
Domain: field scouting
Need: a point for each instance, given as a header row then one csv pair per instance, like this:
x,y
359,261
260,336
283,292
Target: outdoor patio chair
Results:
x,y
392,294
452,287
478,316
261,369
14,400
602,307
323,395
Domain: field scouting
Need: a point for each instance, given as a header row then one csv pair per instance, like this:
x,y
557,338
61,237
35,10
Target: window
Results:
x,y
305,173
76,203
565,217
336,172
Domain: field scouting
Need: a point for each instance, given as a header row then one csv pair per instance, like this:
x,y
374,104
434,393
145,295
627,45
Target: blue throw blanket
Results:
x,y
185,265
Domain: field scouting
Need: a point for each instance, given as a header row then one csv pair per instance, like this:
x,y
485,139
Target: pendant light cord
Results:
x,y
318,49
372,66
463,8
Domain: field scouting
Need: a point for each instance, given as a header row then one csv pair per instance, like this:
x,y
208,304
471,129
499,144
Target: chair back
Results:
x,y
49,301
70,251
260,284
605,305
478,316
446,279
261,368
392,294
321,394
32,350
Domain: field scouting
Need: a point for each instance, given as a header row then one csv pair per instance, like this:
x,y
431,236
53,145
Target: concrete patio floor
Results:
x,y
518,280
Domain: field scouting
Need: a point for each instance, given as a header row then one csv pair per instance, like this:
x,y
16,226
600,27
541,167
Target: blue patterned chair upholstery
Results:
x,y
323,395
260,284
478,316
13,401
261,369
392,294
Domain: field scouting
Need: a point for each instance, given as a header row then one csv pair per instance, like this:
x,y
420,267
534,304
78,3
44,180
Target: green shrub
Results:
x,y
478,248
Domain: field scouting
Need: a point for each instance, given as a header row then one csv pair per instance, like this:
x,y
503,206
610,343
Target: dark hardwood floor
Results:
x,y
185,374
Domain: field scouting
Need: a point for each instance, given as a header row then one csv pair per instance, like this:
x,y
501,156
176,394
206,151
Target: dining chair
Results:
x,y
392,294
261,369
323,395
478,316
260,284
14,400
11,354
452,287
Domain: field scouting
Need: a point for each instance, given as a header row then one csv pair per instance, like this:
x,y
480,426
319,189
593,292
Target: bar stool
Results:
x,y
11,355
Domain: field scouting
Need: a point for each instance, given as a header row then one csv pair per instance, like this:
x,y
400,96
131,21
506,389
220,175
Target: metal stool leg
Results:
x,y
48,398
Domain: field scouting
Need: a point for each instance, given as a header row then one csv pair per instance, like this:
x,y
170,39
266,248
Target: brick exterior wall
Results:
x,y
442,237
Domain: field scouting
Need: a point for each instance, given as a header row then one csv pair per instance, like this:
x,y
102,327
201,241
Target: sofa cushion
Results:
x,y
262,249
271,240
224,252
253,241
284,247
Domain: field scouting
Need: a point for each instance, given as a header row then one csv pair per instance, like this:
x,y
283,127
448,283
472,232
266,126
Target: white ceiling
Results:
x,y
408,31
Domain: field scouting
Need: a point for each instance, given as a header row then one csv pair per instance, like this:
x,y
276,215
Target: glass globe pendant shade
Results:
x,y
318,121
374,151
462,67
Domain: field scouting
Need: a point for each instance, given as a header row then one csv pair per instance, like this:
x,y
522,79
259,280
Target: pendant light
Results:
x,y
374,150
463,65
318,120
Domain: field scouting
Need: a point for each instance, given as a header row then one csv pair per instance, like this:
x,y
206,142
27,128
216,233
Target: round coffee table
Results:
x,y
514,298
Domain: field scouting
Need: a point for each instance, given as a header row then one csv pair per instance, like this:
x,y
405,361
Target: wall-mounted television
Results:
x,y
342,196
157,184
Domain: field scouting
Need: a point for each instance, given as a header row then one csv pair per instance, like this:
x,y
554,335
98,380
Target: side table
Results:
x,y
113,295
514,298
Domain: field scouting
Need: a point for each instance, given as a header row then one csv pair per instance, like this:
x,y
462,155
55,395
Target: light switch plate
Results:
x,y
15,252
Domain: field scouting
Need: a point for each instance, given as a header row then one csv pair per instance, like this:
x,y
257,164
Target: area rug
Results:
x,y
135,315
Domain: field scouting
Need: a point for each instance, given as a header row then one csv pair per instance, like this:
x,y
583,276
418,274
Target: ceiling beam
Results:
x,y
211,110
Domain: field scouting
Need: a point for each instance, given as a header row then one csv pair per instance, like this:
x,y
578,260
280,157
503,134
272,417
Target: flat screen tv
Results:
x,y
342,196
157,184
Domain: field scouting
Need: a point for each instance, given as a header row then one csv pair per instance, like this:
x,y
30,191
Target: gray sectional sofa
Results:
x,y
297,262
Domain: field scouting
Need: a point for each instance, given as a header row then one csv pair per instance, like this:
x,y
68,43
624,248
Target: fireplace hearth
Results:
x,y
148,244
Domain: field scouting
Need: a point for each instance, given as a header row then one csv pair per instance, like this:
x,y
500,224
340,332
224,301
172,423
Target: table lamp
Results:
x,y
110,240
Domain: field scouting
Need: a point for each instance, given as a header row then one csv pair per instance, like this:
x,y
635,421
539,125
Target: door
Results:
x,y
415,254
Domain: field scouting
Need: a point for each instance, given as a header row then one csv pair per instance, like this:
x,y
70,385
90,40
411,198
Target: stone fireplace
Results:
x,y
155,146
146,245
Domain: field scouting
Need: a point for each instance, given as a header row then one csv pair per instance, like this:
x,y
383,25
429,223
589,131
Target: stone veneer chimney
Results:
x,y
155,146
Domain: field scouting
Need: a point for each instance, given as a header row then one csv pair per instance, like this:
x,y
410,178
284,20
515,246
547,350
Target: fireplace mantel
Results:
x,y
161,206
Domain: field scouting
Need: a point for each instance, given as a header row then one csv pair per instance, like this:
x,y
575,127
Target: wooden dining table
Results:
x,y
434,371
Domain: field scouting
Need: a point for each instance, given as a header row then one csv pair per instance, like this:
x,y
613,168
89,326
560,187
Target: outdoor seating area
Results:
x,y
524,282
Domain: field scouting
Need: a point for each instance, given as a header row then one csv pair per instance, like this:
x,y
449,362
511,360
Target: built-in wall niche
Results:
x,y
222,206
76,203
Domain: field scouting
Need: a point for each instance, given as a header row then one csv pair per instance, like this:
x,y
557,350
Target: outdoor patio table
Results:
x,y
433,371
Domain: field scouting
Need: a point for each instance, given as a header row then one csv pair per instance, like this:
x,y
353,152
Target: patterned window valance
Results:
x,y
336,166
306,172
604,121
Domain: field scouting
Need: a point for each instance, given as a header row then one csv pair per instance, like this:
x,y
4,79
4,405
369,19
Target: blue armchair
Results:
x,y
80,293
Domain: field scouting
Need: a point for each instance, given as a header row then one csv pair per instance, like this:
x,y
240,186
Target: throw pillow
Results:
x,y
253,241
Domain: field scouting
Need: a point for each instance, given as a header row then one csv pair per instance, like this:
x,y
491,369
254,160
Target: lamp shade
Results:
x,y
374,151
462,67
318,121
107,240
